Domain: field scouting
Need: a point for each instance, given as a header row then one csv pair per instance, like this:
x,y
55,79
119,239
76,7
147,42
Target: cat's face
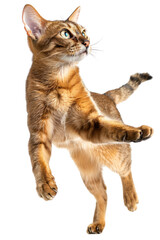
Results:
x,y
65,41
61,41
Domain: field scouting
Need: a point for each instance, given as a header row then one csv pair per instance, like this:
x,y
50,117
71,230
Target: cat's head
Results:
x,y
61,41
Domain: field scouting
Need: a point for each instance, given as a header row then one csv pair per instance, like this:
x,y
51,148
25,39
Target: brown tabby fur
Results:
x,y
62,111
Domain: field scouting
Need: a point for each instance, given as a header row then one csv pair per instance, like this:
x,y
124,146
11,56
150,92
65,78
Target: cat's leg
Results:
x,y
117,157
90,171
40,151
129,192
97,187
84,120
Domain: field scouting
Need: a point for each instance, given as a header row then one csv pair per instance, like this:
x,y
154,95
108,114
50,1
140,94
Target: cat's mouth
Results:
x,y
77,56
83,51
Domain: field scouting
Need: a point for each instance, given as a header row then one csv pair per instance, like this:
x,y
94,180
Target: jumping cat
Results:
x,y
63,112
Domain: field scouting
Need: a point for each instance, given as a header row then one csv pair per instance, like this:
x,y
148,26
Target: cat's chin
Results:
x,y
76,57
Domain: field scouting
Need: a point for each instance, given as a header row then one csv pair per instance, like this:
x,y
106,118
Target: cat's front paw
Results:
x,y
146,132
135,134
47,189
128,134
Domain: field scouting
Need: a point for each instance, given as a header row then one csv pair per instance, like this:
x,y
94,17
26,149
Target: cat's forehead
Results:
x,y
72,26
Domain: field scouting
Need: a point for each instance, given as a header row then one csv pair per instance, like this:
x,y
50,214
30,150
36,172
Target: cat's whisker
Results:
x,y
96,42
92,55
96,49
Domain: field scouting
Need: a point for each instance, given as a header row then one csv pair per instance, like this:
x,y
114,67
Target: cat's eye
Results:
x,y
84,33
65,34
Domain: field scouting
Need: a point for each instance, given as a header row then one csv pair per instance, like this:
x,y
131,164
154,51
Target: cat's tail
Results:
x,y
121,94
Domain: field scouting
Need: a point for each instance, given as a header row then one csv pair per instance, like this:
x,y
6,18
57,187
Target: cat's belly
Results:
x,y
114,156
72,143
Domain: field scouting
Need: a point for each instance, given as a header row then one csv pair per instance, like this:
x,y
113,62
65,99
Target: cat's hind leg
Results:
x,y
97,187
92,177
117,157
129,192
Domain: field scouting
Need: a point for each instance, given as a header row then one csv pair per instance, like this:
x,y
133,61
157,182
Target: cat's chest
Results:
x,y
59,100
59,126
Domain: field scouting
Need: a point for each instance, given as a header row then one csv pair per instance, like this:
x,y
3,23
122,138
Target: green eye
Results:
x,y
65,34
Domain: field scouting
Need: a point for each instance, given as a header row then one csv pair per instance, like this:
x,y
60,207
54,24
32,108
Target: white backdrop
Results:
x,y
130,42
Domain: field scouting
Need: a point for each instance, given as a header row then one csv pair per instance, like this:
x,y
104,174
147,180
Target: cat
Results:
x,y
63,112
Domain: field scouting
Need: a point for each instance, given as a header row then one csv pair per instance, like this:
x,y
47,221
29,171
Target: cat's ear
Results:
x,y
34,24
74,16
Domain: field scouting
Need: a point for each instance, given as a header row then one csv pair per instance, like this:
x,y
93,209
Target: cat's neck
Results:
x,y
48,74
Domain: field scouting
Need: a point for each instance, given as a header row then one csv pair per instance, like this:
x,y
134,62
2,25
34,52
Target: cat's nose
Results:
x,y
86,43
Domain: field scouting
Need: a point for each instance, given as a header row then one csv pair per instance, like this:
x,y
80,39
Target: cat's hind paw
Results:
x,y
95,228
130,200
